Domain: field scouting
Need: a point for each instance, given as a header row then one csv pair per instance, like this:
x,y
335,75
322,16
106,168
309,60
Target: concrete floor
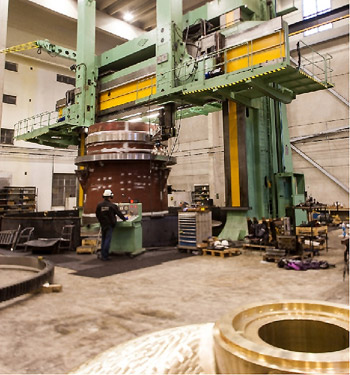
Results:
x,y
55,333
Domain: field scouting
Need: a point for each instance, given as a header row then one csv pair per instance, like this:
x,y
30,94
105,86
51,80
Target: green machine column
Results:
x,y
84,109
170,47
290,186
86,70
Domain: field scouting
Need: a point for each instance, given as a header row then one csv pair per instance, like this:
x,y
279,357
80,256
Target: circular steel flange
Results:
x,y
305,337
112,136
123,156
45,272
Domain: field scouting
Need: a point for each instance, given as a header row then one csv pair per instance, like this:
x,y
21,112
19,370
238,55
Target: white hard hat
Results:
x,y
107,193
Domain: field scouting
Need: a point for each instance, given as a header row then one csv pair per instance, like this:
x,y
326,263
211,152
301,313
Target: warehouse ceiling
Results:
x,y
142,11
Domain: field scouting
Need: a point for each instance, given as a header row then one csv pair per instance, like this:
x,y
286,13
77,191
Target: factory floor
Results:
x,y
54,333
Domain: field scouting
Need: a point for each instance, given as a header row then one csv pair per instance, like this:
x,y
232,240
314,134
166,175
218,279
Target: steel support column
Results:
x,y
86,71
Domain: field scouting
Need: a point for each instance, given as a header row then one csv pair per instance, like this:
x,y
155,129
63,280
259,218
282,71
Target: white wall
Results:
x,y
36,88
321,111
200,158
28,164
24,167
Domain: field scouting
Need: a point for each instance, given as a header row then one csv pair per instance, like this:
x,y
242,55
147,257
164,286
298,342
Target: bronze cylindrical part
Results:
x,y
299,337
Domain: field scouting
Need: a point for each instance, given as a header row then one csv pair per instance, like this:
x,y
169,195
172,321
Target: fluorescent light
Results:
x,y
128,16
153,115
137,119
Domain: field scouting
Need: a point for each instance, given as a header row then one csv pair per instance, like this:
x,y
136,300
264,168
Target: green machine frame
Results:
x,y
229,55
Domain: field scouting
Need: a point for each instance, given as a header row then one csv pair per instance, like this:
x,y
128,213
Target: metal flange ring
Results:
x,y
299,337
113,136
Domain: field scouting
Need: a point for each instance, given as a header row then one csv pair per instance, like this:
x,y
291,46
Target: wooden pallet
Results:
x,y
222,253
89,245
86,249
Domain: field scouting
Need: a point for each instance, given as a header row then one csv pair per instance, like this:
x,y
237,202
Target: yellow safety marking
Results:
x,y
257,51
318,25
20,47
234,159
240,81
127,93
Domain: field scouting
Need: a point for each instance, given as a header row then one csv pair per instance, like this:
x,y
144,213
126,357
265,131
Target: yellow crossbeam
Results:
x,y
20,47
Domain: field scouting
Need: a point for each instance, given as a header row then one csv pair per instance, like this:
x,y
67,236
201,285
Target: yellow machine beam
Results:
x,y
234,156
127,93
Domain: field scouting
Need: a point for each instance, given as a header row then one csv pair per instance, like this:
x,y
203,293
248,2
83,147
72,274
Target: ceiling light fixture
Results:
x,y
128,16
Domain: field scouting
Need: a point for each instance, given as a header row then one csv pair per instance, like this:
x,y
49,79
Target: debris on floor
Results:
x,y
49,288
303,265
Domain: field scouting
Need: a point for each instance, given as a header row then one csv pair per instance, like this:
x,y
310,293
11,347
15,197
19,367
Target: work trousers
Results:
x,y
106,241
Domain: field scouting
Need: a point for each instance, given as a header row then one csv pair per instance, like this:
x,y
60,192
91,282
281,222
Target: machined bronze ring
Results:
x,y
306,337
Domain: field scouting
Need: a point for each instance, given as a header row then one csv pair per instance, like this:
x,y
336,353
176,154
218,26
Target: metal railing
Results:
x,y
314,64
35,122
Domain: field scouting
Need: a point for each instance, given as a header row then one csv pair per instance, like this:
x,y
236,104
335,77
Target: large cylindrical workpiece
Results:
x,y
121,156
288,337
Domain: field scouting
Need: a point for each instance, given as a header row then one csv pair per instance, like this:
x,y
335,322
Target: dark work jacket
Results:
x,y
105,213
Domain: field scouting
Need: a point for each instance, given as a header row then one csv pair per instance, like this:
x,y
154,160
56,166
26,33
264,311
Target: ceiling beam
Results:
x,y
145,8
118,6
103,4
104,22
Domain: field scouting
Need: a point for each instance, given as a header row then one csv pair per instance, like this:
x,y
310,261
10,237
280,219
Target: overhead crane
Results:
x,y
229,55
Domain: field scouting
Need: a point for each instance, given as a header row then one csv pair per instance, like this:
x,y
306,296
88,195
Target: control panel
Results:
x,y
133,211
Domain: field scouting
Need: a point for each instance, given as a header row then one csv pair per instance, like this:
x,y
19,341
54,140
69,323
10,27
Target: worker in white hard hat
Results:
x,y
105,213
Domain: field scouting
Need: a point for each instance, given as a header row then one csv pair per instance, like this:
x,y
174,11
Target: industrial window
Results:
x,y
313,8
64,185
6,136
9,99
66,79
11,66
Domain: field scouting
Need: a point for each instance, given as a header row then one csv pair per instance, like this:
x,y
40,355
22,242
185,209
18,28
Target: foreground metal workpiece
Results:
x,y
284,337
43,269
272,338
180,350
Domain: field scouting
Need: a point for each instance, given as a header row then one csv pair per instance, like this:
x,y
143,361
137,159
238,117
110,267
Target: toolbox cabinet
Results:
x,y
194,228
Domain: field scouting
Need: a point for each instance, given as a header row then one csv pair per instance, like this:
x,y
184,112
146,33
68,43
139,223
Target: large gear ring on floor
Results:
x,y
307,337
44,272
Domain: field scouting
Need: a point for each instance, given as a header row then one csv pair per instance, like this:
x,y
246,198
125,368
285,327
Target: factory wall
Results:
x,y
35,87
29,164
319,112
33,167
200,158
323,111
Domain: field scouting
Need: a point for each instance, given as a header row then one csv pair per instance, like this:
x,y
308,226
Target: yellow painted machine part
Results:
x,y
229,18
234,158
257,51
127,93
81,153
